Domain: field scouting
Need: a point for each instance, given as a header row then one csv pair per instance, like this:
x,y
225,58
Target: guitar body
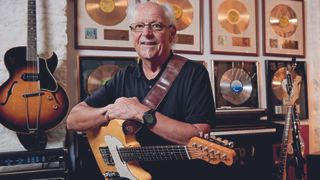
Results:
x,y
118,153
31,100
114,135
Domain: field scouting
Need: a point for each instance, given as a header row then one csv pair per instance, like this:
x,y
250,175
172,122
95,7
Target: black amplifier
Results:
x,y
48,161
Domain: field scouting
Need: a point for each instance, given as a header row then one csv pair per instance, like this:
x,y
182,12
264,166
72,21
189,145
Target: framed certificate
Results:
x,y
233,26
95,71
283,28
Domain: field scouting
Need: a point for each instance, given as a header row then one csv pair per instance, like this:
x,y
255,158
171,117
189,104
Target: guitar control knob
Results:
x,y
55,107
50,98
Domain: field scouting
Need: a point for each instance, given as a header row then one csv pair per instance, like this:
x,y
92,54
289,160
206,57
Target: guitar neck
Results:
x,y
32,32
149,153
284,144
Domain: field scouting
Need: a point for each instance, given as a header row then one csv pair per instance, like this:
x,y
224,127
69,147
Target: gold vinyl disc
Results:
x,y
279,85
233,16
283,20
183,12
98,77
236,86
107,12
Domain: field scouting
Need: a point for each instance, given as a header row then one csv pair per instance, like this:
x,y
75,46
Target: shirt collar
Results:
x,y
138,72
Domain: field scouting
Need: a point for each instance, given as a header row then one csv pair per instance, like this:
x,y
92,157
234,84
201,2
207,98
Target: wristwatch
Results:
x,y
149,117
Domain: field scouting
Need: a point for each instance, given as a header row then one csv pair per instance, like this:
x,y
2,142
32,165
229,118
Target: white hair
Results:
x,y
167,8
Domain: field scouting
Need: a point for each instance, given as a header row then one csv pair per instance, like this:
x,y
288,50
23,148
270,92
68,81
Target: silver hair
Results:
x,y
167,8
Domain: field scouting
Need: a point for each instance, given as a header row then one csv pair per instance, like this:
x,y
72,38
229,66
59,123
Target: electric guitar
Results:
x,y
118,154
31,100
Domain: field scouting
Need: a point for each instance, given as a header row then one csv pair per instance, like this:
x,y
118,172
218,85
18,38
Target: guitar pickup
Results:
x,y
106,155
30,77
33,94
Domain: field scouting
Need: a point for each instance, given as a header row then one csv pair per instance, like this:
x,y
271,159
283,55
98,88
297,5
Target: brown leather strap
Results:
x,y
157,92
162,86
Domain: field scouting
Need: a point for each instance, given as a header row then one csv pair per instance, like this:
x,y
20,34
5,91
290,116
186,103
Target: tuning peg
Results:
x,y
230,144
206,136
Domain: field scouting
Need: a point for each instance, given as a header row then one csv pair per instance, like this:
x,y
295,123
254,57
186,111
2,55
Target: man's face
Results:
x,y
150,43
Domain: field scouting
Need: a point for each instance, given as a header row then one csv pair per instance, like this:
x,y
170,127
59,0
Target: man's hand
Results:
x,y
125,108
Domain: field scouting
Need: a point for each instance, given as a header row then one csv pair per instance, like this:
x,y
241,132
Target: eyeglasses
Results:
x,y
155,26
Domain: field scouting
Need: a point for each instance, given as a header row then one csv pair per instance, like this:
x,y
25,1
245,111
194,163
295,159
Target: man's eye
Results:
x,y
156,26
139,26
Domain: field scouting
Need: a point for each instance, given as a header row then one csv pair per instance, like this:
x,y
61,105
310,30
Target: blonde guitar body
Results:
x,y
98,138
117,154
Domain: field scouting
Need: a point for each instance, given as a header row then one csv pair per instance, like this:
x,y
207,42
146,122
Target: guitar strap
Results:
x,y
162,86
158,91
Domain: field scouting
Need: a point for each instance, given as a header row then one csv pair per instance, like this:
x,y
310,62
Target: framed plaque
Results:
x,y
102,25
189,15
276,89
95,71
233,27
283,28
235,84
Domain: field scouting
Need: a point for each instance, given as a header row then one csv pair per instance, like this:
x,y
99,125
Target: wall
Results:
x,y
13,15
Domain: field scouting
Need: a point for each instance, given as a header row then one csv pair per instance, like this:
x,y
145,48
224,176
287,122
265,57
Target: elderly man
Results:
x,y
186,111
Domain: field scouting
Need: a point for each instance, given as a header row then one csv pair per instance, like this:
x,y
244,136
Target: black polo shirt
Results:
x,y
189,99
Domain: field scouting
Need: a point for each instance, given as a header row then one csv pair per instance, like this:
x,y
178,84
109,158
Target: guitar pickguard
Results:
x,y
121,166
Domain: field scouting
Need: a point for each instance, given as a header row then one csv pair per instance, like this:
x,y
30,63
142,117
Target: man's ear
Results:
x,y
173,33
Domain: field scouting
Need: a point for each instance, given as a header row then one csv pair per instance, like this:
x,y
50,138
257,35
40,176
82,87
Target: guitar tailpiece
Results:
x,y
111,174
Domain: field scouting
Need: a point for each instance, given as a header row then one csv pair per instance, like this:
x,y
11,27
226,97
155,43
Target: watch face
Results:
x,y
149,118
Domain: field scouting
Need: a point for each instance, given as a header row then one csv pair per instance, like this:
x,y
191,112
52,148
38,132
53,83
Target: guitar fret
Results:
x,y
153,153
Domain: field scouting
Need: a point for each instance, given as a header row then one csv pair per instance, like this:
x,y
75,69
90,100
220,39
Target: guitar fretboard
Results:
x,y
32,32
147,153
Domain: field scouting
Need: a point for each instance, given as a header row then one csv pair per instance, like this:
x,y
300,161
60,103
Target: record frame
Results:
x,y
289,43
275,111
246,41
89,34
87,64
219,69
190,39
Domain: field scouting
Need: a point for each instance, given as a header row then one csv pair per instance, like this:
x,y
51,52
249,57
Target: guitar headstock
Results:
x,y
211,149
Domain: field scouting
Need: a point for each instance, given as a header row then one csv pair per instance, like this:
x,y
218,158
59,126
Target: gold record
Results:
x,y
107,12
183,12
100,76
233,16
283,20
279,83
236,86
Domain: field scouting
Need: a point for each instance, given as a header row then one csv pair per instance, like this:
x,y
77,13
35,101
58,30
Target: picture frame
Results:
x,y
235,84
95,71
276,88
283,28
189,16
102,27
234,27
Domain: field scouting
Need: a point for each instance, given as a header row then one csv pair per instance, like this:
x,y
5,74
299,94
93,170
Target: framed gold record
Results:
x,y
102,24
276,84
233,27
283,28
189,17
235,84
95,71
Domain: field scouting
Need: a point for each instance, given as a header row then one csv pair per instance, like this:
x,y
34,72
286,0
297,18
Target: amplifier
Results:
x,y
21,162
313,161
